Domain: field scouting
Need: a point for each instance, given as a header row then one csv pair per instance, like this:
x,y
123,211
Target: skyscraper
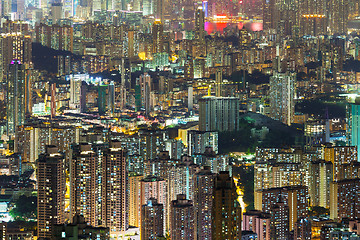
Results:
x,y
154,187
338,16
102,99
152,215
354,125
15,96
190,98
219,114
321,175
134,199
145,89
182,219
340,157
286,206
257,222
345,199
226,211
14,45
198,141
282,94
114,189
199,42
157,33
200,25
203,199
51,191
84,185
160,10
218,82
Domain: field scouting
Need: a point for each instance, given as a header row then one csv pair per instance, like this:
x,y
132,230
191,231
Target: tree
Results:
x,y
25,208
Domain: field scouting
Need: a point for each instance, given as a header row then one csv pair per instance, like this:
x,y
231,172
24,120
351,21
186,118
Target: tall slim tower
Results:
x,y
134,199
199,49
182,219
200,25
282,94
15,96
160,10
145,88
51,191
83,184
218,82
226,211
338,16
53,100
203,201
157,33
190,98
354,125
114,189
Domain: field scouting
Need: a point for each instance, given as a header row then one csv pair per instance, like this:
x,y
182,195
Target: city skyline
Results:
x,y
182,120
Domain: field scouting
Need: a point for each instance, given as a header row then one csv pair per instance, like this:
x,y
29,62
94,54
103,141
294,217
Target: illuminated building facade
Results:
x,y
157,32
226,210
182,218
114,189
152,215
321,175
14,45
218,114
286,205
282,94
85,188
51,191
15,97
203,199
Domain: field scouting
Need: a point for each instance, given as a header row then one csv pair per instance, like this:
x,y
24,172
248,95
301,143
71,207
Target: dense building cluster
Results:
x,y
183,120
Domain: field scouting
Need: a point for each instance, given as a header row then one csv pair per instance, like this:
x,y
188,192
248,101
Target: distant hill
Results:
x,y
280,135
45,58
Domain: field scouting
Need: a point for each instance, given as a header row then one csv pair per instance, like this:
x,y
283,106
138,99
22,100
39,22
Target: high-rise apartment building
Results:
x,y
32,138
134,199
51,191
200,25
198,141
14,45
282,94
354,125
15,96
199,41
157,33
276,175
203,199
321,175
257,222
314,17
345,199
152,217
85,188
338,16
154,187
286,205
144,83
59,37
115,189
219,114
341,158
226,210
182,219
